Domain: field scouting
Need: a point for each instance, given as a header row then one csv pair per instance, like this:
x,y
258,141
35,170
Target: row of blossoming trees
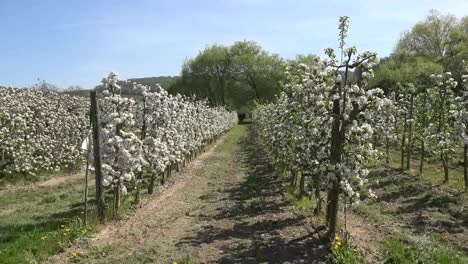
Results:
x,y
325,127
433,120
153,134
40,131
142,139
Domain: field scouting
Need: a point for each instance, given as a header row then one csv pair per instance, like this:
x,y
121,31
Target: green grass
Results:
x,y
22,179
232,137
346,254
398,251
31,229
304,203
31,220
432,172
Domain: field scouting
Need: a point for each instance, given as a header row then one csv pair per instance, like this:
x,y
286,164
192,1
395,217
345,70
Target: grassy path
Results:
x,y
29,214
227,207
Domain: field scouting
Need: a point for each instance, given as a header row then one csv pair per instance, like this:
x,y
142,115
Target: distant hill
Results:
x,y
164,81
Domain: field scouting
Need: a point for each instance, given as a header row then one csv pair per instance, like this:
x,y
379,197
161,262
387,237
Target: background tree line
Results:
x,y
236,76
437,44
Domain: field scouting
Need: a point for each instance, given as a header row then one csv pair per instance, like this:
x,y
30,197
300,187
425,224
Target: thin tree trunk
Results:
x,y
465,165
446,169
151,183
335,158
409,146
423,154
318,198
85,219
95,120
117,199
387,152
403,143
302,184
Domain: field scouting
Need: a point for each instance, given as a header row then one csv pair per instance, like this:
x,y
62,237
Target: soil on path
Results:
x,y
226,207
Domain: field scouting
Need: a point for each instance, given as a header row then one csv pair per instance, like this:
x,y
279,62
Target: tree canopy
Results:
x,y
437,44
236,76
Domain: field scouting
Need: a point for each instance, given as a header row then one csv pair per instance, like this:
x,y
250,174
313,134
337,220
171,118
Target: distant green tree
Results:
x,y
261,71
236,76
402,69
457,50
440,39
430,37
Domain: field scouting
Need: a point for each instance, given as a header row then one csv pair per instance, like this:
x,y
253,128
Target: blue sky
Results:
x,y
77,42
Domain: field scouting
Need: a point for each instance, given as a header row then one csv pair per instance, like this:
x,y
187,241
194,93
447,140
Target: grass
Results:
x,y
304,203
36,222
40,222
230,143
346,254
436,251
432,172
21,179
130,253
31,219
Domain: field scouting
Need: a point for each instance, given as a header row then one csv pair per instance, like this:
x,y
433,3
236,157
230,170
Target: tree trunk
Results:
x,y
335,158
409,146
318,198
85,220
302,184
423,143
387,152
95,120
151,183
465,165
445,165
293,179
116,199
423,154
403,143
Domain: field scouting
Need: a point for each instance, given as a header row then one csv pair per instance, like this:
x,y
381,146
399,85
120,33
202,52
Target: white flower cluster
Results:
x,y
40,130
460,129
153,131
442,114
297,128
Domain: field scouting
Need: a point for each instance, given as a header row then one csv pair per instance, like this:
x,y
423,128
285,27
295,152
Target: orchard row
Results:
x,y
326,128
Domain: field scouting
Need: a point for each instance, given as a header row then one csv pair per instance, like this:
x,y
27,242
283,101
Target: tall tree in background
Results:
x,y
236,76
429,38
258,69
457,50
439,39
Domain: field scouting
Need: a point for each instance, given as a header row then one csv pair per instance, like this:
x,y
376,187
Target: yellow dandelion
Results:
x,y
130,254
67,229
65,234
62,226
74,254
338,243
337,238
43,238
174,262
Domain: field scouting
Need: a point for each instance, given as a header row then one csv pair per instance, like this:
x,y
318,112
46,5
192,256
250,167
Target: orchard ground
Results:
x,y
229,206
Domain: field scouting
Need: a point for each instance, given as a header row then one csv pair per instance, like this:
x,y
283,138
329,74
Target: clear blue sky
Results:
x,y
77,42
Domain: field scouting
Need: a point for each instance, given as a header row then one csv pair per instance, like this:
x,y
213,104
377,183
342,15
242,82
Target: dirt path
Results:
x,y
226,207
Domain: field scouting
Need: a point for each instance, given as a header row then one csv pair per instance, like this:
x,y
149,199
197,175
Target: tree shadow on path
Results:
x,y
254,222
